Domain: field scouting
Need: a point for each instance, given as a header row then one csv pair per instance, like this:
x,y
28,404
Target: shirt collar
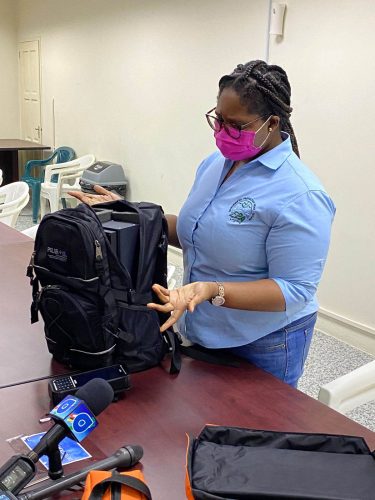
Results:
x,y
275,157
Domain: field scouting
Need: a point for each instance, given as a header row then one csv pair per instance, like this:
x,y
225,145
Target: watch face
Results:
x,y
218,301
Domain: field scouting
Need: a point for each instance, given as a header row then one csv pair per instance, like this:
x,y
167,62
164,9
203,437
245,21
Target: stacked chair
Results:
x,y
61,178
60,155
13,198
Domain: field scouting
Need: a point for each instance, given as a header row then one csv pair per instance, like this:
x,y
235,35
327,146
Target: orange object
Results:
x,y
107,485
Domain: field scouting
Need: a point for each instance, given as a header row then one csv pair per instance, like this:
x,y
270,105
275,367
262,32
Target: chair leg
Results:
x,y
54,204
43,205
36,201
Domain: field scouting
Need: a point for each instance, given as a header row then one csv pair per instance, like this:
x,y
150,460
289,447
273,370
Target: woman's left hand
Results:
x,y
102,196
181,299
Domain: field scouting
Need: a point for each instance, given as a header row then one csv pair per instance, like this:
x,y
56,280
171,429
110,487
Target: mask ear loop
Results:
x,y
260,128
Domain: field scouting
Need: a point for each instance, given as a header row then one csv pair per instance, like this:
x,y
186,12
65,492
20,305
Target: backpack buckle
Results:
x,y
30,268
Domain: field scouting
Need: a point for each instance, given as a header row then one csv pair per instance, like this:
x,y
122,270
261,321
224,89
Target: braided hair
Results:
x,y
265,90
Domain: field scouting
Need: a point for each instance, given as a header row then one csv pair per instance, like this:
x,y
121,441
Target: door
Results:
x,y
29,76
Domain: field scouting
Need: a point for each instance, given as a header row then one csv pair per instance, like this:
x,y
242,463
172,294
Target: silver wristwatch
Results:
x,y
219,299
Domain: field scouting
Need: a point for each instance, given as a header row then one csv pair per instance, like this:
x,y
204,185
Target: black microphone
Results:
x,y
127,456
74,417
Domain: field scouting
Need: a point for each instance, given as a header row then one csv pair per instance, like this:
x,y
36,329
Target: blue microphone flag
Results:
x,y
76,415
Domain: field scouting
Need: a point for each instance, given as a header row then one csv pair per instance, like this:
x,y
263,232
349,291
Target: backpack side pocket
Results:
x,y
140,344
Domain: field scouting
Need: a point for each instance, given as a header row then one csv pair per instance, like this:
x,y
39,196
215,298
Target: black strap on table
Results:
x,y
115,482
213,356
174,348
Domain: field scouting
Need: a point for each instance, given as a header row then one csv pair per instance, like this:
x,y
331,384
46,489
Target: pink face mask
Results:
x,y
242,148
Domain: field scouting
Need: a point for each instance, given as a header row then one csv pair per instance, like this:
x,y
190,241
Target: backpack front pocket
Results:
x,y
74,327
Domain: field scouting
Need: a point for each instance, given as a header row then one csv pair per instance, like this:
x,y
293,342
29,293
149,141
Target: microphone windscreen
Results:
x,y
97,394
137,453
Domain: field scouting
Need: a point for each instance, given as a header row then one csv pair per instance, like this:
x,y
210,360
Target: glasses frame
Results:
x,y
228,127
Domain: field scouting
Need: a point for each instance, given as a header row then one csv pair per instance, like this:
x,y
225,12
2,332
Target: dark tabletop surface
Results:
x,y
159,409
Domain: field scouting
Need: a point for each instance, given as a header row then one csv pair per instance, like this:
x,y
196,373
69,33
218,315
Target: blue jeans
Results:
x,y
282,353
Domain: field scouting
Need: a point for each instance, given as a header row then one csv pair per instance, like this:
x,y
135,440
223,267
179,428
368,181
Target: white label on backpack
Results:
x,y
57,254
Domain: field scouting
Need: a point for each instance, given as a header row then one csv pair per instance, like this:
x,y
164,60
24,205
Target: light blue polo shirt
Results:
x,y
270,219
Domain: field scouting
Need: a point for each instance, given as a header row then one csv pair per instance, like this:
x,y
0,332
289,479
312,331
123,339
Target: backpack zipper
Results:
x,y
98,251
89,280
98,258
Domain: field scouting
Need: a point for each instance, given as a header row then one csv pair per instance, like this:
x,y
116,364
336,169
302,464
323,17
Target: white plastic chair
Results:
x,y
31,231
350,390
13,198
68,175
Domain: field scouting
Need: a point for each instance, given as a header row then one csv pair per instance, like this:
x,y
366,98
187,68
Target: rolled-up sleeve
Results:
x,y
297,247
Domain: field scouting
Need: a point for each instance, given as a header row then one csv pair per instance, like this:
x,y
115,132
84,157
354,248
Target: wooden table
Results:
x,y
159,409
9,156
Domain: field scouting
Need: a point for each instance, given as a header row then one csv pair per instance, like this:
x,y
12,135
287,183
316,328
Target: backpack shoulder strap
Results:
x,y
150,218
173,341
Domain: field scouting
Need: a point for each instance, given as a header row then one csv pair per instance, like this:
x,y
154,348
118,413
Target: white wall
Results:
x,y
9,122
327,50
133,79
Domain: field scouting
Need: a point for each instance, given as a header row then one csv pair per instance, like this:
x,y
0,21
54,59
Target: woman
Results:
x,y
254,231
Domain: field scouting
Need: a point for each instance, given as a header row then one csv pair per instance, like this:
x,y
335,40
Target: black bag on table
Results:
x,y
234,463
94,315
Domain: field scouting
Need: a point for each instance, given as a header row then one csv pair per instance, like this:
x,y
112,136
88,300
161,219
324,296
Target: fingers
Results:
x,y
108,194
162,293
175,316
91,199
157,287
171,321
164,308
175,302
101,190
88,199
77,194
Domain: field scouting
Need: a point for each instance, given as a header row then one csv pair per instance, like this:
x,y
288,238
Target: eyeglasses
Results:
x,y
232,129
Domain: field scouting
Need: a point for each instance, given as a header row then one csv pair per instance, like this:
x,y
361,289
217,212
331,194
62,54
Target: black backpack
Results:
x,y
94,315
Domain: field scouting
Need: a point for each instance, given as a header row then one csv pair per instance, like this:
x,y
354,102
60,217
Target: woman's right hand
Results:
x,y
92,199
178,300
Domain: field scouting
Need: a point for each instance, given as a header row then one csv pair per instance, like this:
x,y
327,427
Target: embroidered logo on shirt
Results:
x,y
242,210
